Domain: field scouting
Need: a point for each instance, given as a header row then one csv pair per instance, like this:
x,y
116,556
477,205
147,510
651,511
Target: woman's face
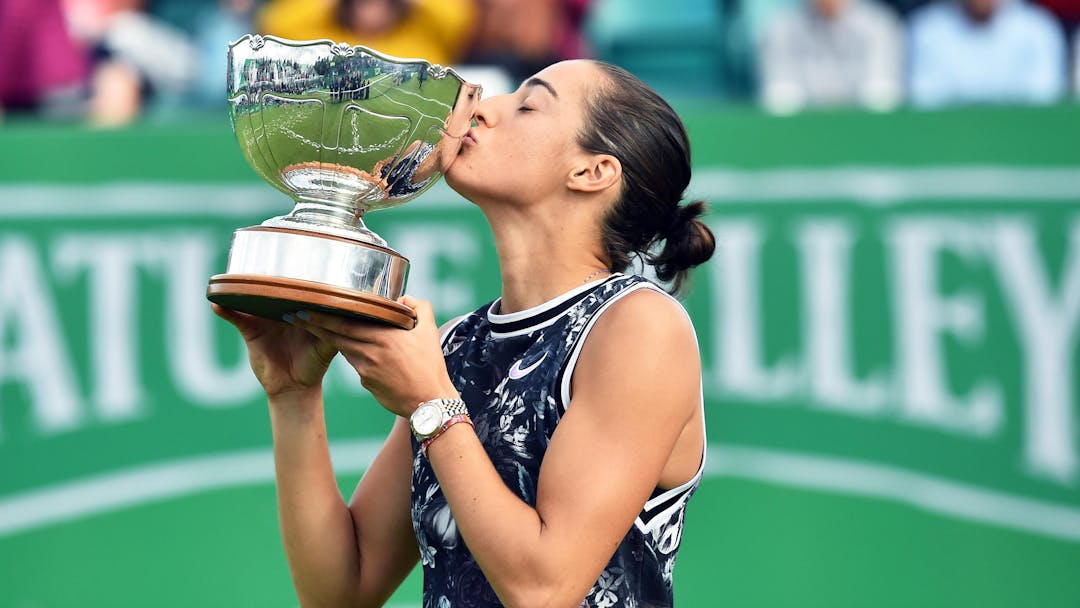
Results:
x,y
524,144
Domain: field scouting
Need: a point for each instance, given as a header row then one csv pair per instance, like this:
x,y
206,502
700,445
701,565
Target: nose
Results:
x,y
481,116
486,113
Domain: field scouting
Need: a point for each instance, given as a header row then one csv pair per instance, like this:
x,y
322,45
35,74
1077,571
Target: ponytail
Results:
x,y
688,242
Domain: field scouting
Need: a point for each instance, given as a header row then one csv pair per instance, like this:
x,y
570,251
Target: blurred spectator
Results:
x,y
757,15
525,36
985,51
214,30
829,53
1076,63
905,7
138,58
1068,11
42,67
435,30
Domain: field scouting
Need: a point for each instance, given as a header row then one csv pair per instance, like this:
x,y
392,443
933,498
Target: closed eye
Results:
x,y
525,109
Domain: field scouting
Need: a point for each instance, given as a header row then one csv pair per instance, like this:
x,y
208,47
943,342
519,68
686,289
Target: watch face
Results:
x,y
426,419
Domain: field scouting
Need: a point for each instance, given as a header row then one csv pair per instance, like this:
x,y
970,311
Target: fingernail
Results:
x,y
288,318
304,315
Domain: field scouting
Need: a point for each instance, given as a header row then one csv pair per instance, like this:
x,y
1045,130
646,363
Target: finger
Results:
x,y
353,329
245,323
323,334
340,343
326,351
425,313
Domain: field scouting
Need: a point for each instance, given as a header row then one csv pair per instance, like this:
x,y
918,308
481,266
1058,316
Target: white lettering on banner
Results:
x,y
111,262
429,246
188,260
924,315
37,356
825,248
735,285
1047,329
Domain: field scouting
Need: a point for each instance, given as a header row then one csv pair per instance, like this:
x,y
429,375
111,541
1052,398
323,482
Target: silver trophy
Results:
x,y
343,130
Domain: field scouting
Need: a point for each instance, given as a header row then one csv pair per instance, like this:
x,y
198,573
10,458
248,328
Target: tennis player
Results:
x,y
546,444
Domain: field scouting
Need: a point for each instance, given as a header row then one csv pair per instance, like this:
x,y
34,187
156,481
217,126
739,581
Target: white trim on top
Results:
x,y
524,315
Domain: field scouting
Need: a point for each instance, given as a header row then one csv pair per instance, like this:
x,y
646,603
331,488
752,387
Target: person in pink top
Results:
x,y
41,66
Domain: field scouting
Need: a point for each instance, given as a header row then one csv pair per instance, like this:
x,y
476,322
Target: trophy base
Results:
x,y
273,297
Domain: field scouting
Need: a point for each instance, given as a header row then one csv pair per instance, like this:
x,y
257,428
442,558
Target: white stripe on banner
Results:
x,y
887,185
171,480
866,185
872,480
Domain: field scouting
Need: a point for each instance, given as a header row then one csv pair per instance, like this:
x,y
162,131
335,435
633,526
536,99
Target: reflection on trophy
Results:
x,y
342,130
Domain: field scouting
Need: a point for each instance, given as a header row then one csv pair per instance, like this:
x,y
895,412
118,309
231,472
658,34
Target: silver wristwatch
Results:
x,y
430,416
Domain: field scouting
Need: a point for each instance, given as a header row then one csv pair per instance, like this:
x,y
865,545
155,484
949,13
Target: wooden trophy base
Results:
x,y
273,297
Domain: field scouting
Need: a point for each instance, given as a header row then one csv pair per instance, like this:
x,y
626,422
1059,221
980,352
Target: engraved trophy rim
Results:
x,y
342,45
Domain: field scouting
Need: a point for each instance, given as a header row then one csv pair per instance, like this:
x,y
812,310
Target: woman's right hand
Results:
x,y
285,358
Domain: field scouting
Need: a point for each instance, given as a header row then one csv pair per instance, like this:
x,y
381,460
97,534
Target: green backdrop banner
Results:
x,y
889,332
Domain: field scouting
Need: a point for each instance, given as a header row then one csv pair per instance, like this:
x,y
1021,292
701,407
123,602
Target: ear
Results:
x,y
595,173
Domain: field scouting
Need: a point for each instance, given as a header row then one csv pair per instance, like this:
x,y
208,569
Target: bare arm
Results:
x,y
338,554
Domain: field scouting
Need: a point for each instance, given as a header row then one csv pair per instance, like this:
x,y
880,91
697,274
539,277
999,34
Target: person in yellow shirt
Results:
x,y
436,30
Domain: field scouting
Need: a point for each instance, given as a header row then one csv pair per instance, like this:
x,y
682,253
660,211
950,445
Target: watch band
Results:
x,y
457,418
450,407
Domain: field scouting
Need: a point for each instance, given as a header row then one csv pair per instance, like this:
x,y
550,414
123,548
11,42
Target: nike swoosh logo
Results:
x,y
517,372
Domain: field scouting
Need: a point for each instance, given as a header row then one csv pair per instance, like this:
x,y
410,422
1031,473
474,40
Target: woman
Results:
x,y
566,481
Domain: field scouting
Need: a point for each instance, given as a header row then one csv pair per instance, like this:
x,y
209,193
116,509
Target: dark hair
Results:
x,y
345,7
625,118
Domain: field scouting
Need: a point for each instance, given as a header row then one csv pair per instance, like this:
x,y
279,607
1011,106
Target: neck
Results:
x,y
539,258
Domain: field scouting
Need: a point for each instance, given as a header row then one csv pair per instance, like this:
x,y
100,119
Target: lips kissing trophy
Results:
x,y
343,130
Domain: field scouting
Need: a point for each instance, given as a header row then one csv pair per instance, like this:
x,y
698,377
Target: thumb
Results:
x,y
424,312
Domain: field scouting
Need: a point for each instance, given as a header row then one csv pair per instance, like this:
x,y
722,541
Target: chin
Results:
x,y
458,185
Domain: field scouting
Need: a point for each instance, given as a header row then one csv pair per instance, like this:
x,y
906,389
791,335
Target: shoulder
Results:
x,y
449,16
876,15
290,17
1035,18
641,357
787,22
646,326
465,323
647,310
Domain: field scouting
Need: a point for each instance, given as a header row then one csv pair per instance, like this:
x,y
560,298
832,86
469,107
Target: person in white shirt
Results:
x,y
985,51
832,53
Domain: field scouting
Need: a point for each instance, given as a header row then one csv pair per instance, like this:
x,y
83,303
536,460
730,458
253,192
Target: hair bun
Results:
x,y
688,242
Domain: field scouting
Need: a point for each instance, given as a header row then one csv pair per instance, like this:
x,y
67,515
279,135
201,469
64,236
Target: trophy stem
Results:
x,y
319,215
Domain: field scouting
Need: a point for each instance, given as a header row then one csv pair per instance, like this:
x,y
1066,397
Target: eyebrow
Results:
x,y
540,82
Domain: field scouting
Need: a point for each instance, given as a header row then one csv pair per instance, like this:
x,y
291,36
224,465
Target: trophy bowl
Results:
x,y
342,130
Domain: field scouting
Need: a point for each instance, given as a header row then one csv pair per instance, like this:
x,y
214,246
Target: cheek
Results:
x,y
500,174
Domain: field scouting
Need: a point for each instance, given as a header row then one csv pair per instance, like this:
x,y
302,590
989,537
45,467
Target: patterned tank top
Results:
x,y
513,371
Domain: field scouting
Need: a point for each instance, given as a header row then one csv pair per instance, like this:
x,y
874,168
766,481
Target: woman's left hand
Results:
x,y
401,368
